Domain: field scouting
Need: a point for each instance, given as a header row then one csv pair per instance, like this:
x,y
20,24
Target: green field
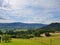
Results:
x,y
35,41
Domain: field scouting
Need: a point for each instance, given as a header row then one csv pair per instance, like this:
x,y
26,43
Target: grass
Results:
x,y
55,34
34,41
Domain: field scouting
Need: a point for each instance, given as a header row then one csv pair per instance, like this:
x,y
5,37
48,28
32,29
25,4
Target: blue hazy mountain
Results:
x,y
19,25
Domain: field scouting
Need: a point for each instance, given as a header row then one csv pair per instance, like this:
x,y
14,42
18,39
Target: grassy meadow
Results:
x,y
35,41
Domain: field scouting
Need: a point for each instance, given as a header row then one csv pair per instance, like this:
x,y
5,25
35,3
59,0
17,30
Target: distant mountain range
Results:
x,y
30,26
19,25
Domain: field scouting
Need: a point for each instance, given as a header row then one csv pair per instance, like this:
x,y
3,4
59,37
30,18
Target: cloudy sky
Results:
x,y
30,11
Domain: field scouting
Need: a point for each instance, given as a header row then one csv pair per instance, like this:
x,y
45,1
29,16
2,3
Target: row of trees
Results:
x,y
25,34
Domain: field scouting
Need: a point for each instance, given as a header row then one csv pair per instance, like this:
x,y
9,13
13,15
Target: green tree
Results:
x,y
1,32
6,38
47,34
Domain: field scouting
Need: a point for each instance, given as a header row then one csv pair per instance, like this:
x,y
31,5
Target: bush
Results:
x,y
13,36
31,36
26,36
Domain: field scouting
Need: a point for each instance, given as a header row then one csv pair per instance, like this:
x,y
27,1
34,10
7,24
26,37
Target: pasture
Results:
x,y
35,41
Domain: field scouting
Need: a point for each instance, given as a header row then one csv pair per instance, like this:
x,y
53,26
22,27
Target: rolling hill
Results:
x,y
52,27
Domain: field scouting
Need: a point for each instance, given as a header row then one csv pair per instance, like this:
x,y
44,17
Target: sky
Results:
x,y
30,11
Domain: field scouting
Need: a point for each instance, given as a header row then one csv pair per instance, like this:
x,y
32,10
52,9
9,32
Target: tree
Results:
x,y
0,39
6,38
47,34
1,32
37,33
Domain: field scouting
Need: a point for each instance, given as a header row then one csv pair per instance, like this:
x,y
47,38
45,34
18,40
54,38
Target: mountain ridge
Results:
x,y
52,27
19,25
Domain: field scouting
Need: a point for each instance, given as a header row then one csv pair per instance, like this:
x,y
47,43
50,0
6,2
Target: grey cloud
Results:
x,y
2,18
1,2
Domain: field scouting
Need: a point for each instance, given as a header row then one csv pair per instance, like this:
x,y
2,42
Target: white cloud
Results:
x,y
6,21
14,4
18,9
19,4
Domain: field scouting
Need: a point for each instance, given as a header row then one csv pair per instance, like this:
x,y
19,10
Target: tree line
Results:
x,y
6,36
